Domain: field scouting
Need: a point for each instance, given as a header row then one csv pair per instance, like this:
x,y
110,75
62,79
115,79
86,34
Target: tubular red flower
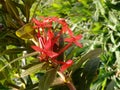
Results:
x,y
66,65
49,53
49,42
74,39
65,48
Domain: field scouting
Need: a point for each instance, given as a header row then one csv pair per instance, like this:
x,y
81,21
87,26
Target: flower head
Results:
x,y
48,40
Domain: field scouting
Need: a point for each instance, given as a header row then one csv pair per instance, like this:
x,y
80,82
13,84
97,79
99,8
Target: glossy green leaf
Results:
x,y
92,54
47,79
86,74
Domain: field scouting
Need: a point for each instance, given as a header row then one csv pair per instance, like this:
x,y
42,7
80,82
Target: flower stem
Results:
x,y
71,86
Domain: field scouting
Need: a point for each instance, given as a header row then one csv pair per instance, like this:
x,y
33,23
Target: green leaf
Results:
x,y
86,75
21,7
17,59
110,86
92,54
32,69
25,32
104,84
28,4
84,2
9,21
12,9
113,18
117,54
99,6
96,27
47,79
4,75
12,51
74,52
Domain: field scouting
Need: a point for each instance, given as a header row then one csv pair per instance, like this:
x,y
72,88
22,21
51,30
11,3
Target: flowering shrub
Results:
x,y
93,67
48,40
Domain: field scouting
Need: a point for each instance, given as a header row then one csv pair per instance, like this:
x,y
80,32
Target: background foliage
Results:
x,y
97,64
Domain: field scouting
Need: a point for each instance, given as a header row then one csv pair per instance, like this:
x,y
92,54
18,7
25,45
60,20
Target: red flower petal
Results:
x,y
36,48
48,53
74,39
48,45
51,54
66,65
78,44
78,37
50,34
68,39
36,21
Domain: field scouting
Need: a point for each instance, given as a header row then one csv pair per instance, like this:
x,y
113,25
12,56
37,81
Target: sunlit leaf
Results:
x,y
25,32
113,18
99,5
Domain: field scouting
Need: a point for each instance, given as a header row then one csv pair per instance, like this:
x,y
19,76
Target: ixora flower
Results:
x,y
48,37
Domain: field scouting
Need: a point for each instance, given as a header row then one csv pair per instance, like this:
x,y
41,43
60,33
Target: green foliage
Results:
x,y
96,65
47,79
86,75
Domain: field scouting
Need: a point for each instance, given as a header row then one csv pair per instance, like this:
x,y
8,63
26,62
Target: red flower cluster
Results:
x,y
48,40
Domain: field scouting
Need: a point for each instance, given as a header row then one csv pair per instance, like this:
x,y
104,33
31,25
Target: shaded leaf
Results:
x,y
12,9
47,79
12,51
32,69
27,6
110,86
86,75
92,54
60,87
21,7
4,75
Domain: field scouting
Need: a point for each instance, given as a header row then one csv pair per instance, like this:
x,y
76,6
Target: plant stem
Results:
x,y
71,86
